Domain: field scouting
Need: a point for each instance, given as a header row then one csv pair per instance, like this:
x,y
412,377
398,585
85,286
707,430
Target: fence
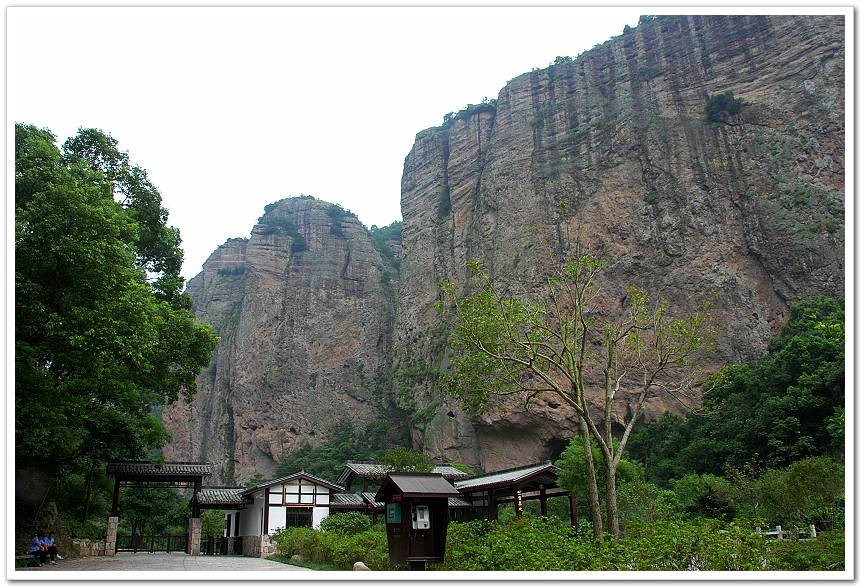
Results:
x,y
151,543
811,533
217,545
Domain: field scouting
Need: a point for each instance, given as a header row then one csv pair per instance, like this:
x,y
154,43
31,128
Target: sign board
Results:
x,y
392,513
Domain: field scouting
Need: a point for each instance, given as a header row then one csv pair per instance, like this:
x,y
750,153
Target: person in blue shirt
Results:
x,y
38,548
51,545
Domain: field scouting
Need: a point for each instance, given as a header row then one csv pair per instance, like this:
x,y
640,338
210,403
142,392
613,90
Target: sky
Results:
x,y
232,108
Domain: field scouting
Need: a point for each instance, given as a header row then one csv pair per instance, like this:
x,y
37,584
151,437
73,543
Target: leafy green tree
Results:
x,y
572,475
811,490
97,346
405,460
153,510
212,522
558,342
784,407
156,244
705,495
343,444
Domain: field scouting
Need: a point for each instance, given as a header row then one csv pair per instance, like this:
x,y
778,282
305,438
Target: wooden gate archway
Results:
x,y
168,474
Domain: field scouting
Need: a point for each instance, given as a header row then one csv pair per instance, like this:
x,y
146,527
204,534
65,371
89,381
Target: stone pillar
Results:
x,y
110,539
518,503
195,526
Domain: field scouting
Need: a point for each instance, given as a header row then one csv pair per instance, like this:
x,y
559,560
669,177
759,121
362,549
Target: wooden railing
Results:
x,y
151,543
217,545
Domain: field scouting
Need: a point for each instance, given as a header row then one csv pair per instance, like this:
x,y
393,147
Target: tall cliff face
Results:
x,y
305,310
615,146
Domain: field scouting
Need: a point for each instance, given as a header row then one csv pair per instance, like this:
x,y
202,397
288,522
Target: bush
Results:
x,y
826,553
336,549
90,529
706,494
275,224
551,544
723,106
809,491
346,523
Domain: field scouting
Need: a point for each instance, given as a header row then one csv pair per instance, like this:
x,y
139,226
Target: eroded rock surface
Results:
x,y
305,311
615,146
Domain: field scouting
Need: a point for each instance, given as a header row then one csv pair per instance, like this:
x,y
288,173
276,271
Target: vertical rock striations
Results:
x,y
616,146
305,312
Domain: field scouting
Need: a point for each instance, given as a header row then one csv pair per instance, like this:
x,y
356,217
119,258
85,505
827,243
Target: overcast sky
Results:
x,y
232,108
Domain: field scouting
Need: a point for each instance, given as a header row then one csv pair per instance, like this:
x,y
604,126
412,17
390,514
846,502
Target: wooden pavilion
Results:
x,y
536,482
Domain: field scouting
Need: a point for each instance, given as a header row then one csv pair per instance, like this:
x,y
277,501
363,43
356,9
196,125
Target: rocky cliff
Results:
x,y
617,145
305,311
743,200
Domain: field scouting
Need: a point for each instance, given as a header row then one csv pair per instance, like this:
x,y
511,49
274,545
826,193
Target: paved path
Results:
x,y
166,562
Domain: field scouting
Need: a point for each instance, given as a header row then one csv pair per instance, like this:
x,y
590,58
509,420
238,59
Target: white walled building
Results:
x,y
254,514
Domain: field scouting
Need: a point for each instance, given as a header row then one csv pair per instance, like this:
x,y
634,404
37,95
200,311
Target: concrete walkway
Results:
x,y
165,562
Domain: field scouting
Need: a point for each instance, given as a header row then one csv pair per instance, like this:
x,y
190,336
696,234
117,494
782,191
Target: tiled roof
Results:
x,y
448,471
457,503
221,496
155,469
347,500
417,485
311,477
370,498
505,476
377,471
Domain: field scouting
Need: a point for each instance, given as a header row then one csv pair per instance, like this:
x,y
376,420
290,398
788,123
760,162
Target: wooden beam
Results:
x,y
195,506
542,497
266,511
114,510
573,516
493,509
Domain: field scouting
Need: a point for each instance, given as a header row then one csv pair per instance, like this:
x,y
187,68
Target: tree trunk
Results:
x,y
591,481
89,493
611,498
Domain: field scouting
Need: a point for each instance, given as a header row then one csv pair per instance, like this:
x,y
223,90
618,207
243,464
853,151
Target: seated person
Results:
x,y
51,545
38,548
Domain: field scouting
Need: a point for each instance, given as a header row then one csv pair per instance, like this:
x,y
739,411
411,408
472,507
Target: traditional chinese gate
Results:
x,y
147,474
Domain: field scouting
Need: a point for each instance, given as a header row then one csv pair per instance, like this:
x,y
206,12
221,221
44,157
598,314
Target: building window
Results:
x,y
299,517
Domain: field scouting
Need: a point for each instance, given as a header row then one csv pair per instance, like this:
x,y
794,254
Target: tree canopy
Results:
x,y
566,342
771,412
103,332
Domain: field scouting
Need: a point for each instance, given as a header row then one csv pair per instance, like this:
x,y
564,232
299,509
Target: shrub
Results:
x,y
336,549
337,214
826,553
90,529
275,224
723,106
551,544
346,523
382,236
704,494
486,105
809,491
234,270
405,460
